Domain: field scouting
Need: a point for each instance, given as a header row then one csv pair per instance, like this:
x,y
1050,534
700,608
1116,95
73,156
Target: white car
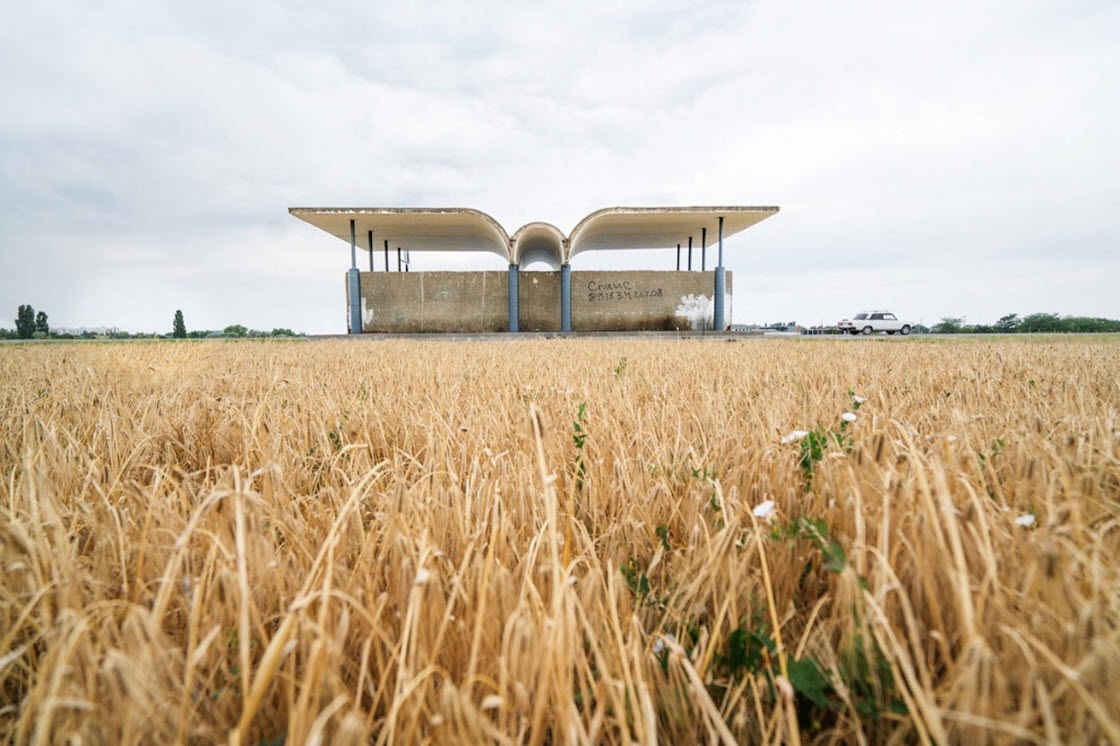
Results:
x,y
868,322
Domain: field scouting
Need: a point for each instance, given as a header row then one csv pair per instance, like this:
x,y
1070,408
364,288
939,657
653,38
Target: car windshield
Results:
x,y
861,316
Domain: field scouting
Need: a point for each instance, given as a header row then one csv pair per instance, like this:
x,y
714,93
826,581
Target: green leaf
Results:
x,y
737,649
834,557
808,681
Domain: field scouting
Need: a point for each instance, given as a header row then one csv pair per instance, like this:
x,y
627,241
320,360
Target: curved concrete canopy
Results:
x,y
539,242
659,227
412,228
463,229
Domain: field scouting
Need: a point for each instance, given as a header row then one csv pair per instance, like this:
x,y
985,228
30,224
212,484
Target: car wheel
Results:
x,y
855,332
867,330
906,330
890,334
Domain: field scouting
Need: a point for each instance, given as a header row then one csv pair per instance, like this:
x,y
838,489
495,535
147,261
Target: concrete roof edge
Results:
x,y
299,212
522,234
567,242
703,209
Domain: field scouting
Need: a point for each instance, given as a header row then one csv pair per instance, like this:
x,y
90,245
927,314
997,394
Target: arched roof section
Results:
x,y
539,242
413,228
659,227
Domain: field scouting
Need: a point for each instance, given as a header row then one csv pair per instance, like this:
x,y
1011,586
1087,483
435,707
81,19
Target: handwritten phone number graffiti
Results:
x,y
620,295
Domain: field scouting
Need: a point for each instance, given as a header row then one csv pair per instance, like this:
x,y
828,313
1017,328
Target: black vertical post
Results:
x,y
353,248
398,258
721,241
678,257
371,251
703,249
386,255
690,253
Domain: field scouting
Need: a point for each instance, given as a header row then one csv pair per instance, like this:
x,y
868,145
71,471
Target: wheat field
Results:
x,y
561,541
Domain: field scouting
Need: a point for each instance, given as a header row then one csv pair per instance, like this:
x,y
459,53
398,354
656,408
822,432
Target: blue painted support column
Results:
x,y
355,287
717,320
565,297
514,315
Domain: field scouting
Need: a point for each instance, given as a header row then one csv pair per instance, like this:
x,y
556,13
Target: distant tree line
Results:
x,y
32,325
1034,323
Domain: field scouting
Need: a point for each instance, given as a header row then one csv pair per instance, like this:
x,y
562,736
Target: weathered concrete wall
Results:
x,y
538,298
434,301
478,301
644,300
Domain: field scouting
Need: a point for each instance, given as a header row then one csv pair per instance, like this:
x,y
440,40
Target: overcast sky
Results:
x,y
937,159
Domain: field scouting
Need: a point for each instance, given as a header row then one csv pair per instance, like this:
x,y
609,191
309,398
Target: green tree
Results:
x,y
178,328
41,324
949,325
1041,322
1008,323
235,330
25,322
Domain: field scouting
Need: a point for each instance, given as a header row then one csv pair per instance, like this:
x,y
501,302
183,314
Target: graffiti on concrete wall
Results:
x,y
699,310
620,291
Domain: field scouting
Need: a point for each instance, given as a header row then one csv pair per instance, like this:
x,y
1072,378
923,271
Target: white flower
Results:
x,y
422,576
849,417
764,509
859,399
659,643
1025,520
795,436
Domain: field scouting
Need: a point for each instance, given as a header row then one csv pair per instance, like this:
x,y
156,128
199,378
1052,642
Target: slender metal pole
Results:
x,y
371,251
717,312
354,287
703,249
398,258
565,297
407,260
690,253
353,248
386,255
721,242
678,257
514,315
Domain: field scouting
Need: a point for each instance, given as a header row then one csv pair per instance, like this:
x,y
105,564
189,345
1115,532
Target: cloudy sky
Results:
x,y
939,159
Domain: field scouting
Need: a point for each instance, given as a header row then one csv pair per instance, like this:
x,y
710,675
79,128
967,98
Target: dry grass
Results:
x,y
397,542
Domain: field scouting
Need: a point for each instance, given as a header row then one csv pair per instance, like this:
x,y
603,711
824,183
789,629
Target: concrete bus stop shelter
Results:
x,y
478,301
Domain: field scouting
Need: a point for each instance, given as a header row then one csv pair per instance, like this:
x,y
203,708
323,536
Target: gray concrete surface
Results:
x,y
409,302
469,302
644,301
